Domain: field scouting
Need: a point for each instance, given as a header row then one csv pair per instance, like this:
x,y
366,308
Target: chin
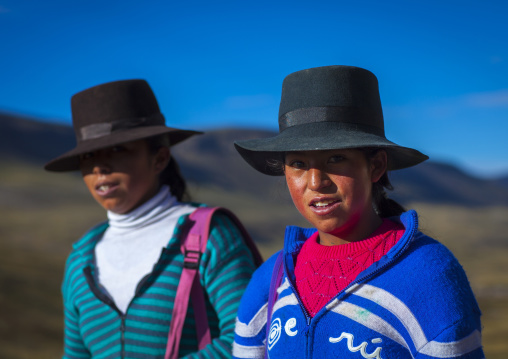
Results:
x,y
330,226
114,208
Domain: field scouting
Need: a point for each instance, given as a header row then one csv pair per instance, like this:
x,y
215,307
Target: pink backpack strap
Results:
x,y
193,247
189,286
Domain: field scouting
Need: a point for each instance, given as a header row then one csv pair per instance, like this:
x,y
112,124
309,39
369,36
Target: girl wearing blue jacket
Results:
x,y
364,282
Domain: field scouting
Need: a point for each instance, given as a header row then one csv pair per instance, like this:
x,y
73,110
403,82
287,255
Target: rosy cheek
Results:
x,y
296,195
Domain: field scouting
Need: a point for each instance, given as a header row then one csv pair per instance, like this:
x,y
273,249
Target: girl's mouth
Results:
x,y
323,203
324,206
105,189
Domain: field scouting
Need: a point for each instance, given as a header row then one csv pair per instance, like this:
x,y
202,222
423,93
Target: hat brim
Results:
x,y
69,161
260,153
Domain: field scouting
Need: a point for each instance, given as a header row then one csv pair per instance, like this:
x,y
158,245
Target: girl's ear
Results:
x,y
161,159
378,165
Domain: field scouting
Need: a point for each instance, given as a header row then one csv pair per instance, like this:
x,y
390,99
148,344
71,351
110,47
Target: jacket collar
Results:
x,y
91,237
296,236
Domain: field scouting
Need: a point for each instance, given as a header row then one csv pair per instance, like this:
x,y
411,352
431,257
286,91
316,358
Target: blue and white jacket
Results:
x,y
415,302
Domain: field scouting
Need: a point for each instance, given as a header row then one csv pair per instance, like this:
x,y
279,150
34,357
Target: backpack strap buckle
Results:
x,y
192,259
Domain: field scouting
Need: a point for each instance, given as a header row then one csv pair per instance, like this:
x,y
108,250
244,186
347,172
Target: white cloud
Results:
x,y
496,59
452,106
488,99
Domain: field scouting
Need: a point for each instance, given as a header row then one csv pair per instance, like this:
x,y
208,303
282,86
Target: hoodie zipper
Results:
x,y
109,302
302,307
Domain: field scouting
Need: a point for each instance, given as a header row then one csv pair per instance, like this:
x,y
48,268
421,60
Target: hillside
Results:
x,y
211,160
31,140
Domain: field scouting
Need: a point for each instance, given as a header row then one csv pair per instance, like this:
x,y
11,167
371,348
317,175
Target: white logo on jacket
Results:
x,y
274,334
290,324
362,347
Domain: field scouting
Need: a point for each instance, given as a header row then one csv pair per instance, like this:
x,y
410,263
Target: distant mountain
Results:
x,y
212,157
436,182
502,181
28,139
211,160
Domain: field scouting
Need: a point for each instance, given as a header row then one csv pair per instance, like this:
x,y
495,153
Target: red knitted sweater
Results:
x,y
321,272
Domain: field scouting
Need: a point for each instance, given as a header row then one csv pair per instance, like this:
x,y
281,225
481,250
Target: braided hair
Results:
x,y
383,205
171,175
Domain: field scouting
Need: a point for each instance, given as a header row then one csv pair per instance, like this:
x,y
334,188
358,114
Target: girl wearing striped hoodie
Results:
x,y
122,276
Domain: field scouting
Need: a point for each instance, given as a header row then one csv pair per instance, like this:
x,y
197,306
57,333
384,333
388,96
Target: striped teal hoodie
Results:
x,y
95,328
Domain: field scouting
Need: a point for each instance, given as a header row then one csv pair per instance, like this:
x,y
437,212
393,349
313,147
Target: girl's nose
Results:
x,y
101,167
318,179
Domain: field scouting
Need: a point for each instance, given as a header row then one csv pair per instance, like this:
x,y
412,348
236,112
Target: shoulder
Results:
x,y
80,256
218,217
256,295
90,237
227,244
430,258
227,233
264,272
424,256
82,249
425,288
432,264
428,278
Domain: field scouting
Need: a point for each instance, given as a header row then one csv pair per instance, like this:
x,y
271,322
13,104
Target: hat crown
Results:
x,y
327,108
113,113
346,94
113,102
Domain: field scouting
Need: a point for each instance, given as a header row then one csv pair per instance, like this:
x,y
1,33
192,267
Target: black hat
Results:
x,y
324,108
113,113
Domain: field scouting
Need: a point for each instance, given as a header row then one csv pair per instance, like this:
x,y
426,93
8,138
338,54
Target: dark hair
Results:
x,y
384,206
171,175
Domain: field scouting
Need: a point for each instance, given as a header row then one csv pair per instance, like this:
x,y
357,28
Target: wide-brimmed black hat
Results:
x,y
113,113
324,108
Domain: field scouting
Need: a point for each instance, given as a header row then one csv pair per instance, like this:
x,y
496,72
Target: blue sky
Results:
x,y
442,65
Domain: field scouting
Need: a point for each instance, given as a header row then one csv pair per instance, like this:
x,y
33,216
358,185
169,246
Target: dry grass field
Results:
x,y
41,214
479,239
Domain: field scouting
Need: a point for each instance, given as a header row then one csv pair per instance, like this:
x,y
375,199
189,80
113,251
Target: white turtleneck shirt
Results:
x,y
133,242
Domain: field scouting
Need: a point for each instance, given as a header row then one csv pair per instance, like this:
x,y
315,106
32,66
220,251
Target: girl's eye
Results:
x,y
335,159
117,149
87,156
297,164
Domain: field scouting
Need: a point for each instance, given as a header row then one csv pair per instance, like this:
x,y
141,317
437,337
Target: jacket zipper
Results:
x,y
122,335
302,307
109,302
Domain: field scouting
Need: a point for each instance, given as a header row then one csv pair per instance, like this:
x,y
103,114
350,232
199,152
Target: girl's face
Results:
x,y
124,176
332,189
